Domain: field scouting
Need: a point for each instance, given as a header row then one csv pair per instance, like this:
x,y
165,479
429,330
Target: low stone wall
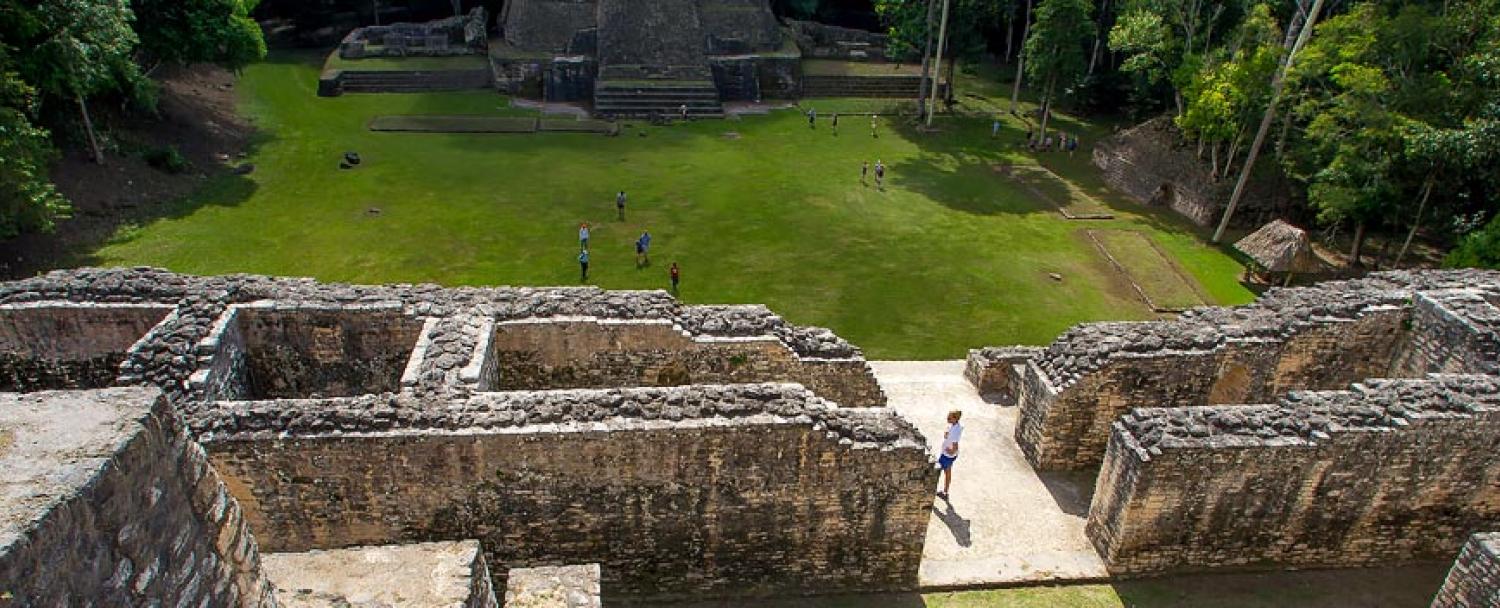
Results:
x,y
442,574
62,345
684,492
1453,331
108,502
1474,581
1392,471
822,41
993,371
467,35
590,353
1322,337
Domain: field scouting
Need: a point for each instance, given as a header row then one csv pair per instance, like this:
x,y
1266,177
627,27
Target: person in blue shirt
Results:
x,y
583,236
583,265
643,250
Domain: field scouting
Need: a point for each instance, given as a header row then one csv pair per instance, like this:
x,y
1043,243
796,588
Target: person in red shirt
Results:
x,y
676,276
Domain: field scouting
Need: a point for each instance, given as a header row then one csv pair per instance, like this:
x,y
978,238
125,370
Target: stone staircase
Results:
x,y
414,81
861,86
641,99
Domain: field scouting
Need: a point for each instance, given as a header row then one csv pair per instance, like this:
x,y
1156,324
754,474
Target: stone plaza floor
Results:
x,y
1005,524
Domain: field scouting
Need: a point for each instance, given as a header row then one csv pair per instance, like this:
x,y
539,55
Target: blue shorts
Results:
x,y
945,461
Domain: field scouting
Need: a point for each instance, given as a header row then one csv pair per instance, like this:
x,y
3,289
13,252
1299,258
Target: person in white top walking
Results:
x,y
949,452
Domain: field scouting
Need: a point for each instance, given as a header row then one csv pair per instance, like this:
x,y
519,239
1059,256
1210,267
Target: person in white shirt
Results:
x,y
949,451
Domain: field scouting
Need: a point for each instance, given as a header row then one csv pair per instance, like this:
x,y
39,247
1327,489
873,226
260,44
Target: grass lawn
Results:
x,y
1151,271
948,256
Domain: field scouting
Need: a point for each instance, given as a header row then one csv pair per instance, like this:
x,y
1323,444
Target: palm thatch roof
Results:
x,y
1280,247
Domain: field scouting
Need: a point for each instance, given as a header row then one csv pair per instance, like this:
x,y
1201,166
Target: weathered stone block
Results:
x,y
447,574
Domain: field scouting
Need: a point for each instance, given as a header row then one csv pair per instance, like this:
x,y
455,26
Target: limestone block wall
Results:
x,y
592,353
1392,471
1323,337
109,503
441,574
60,345
678,492
1453,331
1474,580
993,371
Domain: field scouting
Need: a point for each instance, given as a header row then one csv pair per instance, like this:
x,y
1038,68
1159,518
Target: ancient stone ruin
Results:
x,y
1352,423
252,441
466,35
279,441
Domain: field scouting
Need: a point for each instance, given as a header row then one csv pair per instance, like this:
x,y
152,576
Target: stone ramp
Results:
x,y
1005,524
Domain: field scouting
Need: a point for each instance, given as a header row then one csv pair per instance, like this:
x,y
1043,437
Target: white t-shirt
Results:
x,y
950,438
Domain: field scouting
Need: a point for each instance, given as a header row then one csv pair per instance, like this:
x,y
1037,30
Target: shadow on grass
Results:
x,y
957,171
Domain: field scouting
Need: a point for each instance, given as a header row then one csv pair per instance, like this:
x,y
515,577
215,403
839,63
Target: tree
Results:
x,y
28,200
1160,37
199,31
1054,50
75,50
1480,249
1227,95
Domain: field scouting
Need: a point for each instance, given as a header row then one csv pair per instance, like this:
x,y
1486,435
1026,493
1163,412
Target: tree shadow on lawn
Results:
x,y
959,173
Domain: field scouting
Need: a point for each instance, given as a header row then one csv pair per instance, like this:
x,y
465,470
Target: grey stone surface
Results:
x,y
416,575
554,587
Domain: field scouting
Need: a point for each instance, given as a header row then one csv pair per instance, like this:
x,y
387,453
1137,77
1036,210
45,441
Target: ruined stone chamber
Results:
x,y
1351,423
639,59
683,451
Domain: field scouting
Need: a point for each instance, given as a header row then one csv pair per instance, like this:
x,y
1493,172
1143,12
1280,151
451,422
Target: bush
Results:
x,y
167,159
1480,249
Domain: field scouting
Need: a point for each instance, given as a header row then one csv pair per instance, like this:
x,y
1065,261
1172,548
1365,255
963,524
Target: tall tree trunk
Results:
x,y
926,63
1286,130
1359,244
1213,161
952,64
1098,37
1010,34
88,125
1046,107
1417,221
1278,82
938,60
1233,148
375,8
1015,93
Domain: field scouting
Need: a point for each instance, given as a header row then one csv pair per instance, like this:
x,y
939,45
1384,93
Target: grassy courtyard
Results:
x,y
950,255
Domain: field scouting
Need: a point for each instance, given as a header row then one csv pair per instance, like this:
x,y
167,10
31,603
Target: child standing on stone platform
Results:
x,y
949,451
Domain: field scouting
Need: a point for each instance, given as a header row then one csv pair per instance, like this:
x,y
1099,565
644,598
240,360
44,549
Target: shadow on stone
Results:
x,y
1073,490
955,522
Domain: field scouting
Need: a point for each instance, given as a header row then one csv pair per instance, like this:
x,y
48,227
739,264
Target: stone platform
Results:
x,y
1005,524
446,574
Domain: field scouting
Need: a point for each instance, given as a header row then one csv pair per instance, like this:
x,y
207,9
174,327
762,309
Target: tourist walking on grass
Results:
x,y
684,112
835,123
864,171
583,235
872,127
643,250
583,265
949,451
676,275
879,175
995,128
620,204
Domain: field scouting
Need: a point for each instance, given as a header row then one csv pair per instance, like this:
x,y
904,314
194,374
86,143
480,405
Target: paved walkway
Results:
x,y
1005,524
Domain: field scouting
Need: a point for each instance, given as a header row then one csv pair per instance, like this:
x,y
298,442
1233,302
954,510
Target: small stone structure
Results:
x,y
447,574
107,502
1474,581
554,587
1151,163
1350,423
689,451
467,35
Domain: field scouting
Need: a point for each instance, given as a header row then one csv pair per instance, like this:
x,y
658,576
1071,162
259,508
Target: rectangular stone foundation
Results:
x,y
68,345
1391,472
447,574
107,502
270,351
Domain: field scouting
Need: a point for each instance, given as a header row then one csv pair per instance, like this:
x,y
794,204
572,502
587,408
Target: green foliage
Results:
x,y
1480,249
28,200
200,31
74,47
1159,37
166,158
906,21
1055,48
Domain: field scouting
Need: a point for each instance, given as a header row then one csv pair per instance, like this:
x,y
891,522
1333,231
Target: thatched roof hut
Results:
x,y
1280,247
